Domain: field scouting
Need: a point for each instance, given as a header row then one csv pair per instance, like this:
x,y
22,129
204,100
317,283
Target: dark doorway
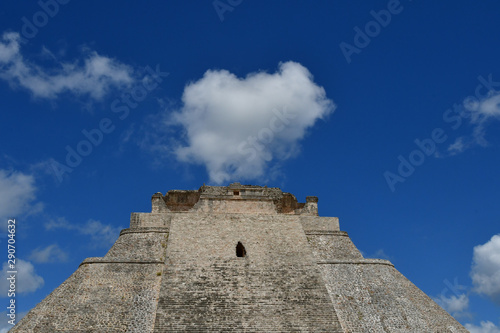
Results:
x,y
240,250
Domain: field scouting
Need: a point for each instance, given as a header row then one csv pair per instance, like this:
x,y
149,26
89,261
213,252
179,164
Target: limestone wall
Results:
x,y
140,244
144,220
277,287
235,198
319,223
178,269
116,293
99,297
332,245
238,206
371,296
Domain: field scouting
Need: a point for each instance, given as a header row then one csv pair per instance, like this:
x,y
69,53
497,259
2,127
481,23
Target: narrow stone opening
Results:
x,y
240,250
236,192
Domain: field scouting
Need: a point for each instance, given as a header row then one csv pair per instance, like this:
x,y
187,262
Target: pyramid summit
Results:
x,y
239,258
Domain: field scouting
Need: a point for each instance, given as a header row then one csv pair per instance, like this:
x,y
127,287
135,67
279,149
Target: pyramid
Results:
x,y
237,258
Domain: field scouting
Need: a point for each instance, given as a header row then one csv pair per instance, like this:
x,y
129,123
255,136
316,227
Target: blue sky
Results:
x,y
388,111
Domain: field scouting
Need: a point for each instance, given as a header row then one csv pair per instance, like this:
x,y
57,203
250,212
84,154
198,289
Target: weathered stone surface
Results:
x,y
238,258
375,297
99,297
332,245
277,286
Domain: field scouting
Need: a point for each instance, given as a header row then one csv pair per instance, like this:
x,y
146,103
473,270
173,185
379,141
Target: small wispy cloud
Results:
x,y
93,75
50,253
239,127
485,327
479,113
379,254
100,233
457,147
456,305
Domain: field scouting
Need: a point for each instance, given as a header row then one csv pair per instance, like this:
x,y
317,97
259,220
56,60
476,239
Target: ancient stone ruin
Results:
x,y
238,258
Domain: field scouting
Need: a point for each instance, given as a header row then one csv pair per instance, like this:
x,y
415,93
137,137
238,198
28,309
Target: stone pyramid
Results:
x,y
239,258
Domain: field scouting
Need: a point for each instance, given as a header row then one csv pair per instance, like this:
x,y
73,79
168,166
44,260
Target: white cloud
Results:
x,y
486,327
26,278
379,254
9,48
485,271
51,253
101,234
457,147
236,127
95,75
17,194
455,305
479,112
487,107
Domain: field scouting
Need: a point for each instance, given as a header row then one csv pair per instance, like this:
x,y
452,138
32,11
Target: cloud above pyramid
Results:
x,y
242,128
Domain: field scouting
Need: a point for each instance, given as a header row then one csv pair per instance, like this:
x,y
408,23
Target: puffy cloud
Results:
x,y
95,77
101,234
51,253
17,194
236,126
455,305
26,278
486,327
485,271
